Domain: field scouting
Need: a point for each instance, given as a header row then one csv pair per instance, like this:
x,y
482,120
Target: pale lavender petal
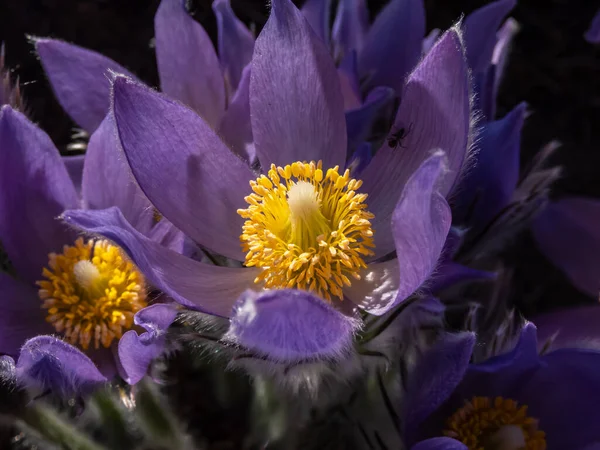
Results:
x,y
316,13
435,377
80,80
393,44
290,325
182,166
35,188
212,289
136,352
440,443
568,234
236,43
434,113
235,128
420,225
107,179
480,32
349,27
577,326
74,165
592,35
46,362
187,62
22,316
295,97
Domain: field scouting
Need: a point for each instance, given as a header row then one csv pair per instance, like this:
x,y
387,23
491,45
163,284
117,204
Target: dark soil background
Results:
x,y
552,68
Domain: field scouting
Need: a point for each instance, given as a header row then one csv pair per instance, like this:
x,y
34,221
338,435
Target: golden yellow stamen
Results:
x,y
484,424
91,291
307,229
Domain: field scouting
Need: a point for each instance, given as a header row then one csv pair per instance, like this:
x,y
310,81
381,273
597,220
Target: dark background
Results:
x,y
551,67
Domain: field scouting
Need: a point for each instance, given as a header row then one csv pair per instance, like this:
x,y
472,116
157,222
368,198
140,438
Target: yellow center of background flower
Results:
x,y
91,292
307,229
500,424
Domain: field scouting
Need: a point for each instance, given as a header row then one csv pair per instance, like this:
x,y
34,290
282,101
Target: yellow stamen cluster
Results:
x,y
91,292
307,229
484,423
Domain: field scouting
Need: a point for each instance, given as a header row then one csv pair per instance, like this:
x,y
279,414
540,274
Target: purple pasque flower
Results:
x,y
305,224
189,69
515,400
85,292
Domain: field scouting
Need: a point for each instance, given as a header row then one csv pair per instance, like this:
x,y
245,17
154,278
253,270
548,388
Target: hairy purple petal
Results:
x,y
188,65
182,166
35,188
46,362
136,352
80,80
393,44
295,97
290,325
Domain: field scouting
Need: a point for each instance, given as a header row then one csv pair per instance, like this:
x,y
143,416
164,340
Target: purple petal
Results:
x,y
349,83
290,325
316,13
420,226
35,188
440,443
429,40
592,35
136,352
350,27
435,377
571,327
212,289
480,32
393,44
450,274
22,316
360,121
74,165
167,235
568,234
236,43
235,128
185,170
505,35
49,363
187,63
434,113
295,97
489,186
80,80
107,179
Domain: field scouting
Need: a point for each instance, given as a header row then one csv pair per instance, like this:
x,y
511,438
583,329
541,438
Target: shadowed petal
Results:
x,y
166,234
295,97
80,80
349,83
49,363
440,443
185,170
592,35
393,44
235,128
506,35
74,165
480,32
136,352
568,234
377,288
35,188
187,62
316,13
434,113
212,289
22,316
577,326
420,226
290,325
489,186
236,43
449,274
359,121
350,27
435,377
107,179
